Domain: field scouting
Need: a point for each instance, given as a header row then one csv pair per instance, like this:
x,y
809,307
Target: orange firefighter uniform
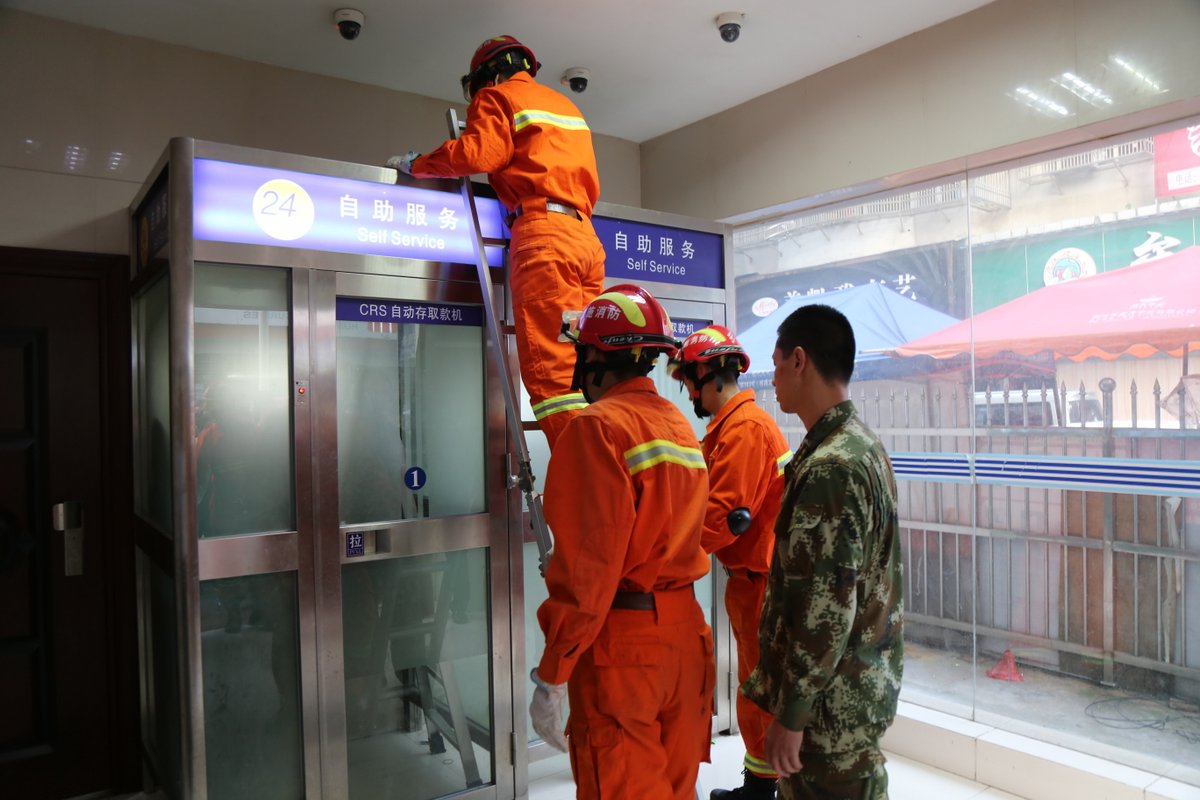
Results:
x,y
625,495
536,149
745,453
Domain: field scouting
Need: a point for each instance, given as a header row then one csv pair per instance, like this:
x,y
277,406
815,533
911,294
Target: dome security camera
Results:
x,y
349,22
729,25
576,78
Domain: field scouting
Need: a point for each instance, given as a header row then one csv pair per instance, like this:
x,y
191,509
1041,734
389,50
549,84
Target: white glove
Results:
x,y
403,163
546,709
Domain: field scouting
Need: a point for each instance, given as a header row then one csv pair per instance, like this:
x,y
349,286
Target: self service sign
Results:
x,y
259,205
639,251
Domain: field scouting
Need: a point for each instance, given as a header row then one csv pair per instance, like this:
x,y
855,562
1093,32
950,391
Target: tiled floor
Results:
x,y
907,780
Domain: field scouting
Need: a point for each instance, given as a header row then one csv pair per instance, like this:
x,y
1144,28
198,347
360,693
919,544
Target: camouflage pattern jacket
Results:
x,y
831,631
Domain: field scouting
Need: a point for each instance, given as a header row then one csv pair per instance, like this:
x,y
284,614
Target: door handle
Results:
x,y
68,518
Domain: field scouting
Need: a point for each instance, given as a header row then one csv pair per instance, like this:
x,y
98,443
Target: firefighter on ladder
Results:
x,y
626,638
537,151
746,454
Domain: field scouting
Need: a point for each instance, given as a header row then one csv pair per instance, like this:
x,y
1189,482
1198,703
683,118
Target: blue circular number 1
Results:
x,y
414,478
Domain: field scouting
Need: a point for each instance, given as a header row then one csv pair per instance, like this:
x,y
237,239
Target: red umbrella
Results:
x,y
1137,310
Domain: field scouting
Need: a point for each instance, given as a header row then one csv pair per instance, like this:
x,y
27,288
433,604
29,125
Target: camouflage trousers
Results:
x,y
808,785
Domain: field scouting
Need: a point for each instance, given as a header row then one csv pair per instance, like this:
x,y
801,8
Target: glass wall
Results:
x,y
1031,329
243,401
158,645
248,642
418,688
396,416
153,456
416,628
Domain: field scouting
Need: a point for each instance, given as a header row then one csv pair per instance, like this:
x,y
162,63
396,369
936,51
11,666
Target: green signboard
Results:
x,y
1003,272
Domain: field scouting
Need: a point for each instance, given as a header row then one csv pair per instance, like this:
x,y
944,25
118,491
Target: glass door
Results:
x,y
412,511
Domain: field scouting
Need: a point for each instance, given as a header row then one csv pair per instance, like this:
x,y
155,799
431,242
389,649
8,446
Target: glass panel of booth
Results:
x,y
243,409
250,654
418,674
161,723
410,410
153,453
411,432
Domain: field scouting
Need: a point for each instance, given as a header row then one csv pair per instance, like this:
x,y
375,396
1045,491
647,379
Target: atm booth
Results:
x,y
336,580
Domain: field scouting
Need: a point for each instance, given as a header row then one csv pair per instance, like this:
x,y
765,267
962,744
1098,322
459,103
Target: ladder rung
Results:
x,y
508,329
493,242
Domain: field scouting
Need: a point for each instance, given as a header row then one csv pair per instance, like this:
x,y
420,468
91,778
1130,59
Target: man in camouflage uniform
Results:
x,y
831,627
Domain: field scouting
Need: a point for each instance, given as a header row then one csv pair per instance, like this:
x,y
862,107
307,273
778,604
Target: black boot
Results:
x,y
753,788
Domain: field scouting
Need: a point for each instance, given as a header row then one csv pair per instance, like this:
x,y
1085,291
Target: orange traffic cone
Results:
x,y
1006,669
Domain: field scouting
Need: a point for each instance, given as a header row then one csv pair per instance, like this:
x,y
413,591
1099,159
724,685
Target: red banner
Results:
x,y
1177,162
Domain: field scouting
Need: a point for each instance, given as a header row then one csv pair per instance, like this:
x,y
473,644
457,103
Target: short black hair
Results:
x,y
827,339
625,366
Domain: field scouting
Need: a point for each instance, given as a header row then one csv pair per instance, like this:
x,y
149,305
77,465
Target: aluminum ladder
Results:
x,y
524,478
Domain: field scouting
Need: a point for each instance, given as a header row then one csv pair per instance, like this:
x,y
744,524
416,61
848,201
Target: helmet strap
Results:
x,y
584,368
699,383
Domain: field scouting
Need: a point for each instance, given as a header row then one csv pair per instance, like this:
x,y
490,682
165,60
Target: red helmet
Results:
x,y
626,317
486,62
500,44
714,343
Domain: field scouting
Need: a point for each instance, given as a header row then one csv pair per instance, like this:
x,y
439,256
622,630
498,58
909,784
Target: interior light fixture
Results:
x,y
1132,69
1041,103
1082,89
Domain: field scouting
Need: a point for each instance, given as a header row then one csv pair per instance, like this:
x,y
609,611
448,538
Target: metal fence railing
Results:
x,y
1090,580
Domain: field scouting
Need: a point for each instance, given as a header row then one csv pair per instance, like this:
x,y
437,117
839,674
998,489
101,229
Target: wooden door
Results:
x,y
65,595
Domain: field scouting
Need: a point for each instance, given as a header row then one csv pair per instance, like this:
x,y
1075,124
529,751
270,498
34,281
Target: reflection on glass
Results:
x,y
243,408
160,674
1070,566
410,396
418,685
1065,586
153,452
250,658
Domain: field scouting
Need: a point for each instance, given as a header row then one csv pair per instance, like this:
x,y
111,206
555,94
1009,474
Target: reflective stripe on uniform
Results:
x,y
554,405
659,451
759,767
783,460
531,116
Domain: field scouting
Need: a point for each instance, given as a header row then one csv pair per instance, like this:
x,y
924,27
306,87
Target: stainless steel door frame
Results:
x,y
489,529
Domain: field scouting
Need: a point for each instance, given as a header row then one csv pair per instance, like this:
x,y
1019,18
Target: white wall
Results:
x,y
64,85
937,96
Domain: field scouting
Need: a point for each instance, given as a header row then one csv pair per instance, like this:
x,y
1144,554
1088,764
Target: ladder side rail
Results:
x,y
525,469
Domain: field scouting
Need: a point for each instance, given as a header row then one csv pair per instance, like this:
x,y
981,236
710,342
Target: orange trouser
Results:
x,y
641,703
556,264
744,601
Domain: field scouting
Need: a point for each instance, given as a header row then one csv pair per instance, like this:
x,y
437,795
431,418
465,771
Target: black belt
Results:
x,y
551,205
640,601
749,574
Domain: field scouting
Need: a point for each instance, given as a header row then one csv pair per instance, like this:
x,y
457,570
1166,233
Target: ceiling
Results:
x,y
656,65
